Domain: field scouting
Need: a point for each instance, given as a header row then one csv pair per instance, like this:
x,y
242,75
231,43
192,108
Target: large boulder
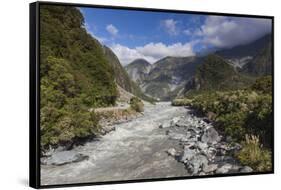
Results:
x,y
210,168
196,164
187,154
202,146
246,169
210,136
64,157
177,136
224,169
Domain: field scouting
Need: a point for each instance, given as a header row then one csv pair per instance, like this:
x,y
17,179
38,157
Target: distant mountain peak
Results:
x,y
139,61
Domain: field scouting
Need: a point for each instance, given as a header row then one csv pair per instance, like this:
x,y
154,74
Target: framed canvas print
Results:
x,y
120,94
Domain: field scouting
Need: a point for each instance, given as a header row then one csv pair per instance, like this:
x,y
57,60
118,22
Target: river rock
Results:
x,y
174,121
210,136
164,125
172,152
225,159
202,146
197,163
246,169
187,154
224,169
106,129
210,168
177,136
194,130
65,157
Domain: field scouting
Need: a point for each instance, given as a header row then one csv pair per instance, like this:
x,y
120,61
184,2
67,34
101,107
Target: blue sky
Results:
x,y
153,35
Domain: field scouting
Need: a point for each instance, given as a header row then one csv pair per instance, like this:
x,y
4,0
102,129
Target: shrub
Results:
x,y
136,104
182,102
240,112
254,155
260,120
263,84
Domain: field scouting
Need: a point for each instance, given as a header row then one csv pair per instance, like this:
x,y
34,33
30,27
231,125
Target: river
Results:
x,y
135,150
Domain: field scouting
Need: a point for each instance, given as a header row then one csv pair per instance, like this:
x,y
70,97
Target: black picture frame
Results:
x,y
34,93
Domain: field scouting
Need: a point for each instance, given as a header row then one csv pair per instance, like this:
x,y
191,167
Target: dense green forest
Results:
x,y
75,76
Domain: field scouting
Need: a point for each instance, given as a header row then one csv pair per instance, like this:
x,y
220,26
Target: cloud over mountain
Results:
x,y
151,51
221,31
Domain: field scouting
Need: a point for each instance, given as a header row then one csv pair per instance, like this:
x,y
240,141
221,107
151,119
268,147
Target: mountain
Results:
x,y
261,64
75,76
215,73
240,55
138,70
228,68
122,78
164,79
119,73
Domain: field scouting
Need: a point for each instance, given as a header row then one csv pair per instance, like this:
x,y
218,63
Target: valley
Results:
x,y
189,115
166,141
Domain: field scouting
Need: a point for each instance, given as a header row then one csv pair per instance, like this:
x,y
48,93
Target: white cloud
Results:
x,y
152,52
187,32
170,25
112,29
223,31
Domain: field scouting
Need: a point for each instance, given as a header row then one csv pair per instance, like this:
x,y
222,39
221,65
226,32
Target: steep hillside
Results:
x,y
216,74
138,70
120,75
165,78
240,55
169,75
122,78
261,64
75,76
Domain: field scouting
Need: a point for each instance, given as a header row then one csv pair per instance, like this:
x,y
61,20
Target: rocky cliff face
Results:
x,y
239,56
138,70
166,78
216,74
261,64
231,68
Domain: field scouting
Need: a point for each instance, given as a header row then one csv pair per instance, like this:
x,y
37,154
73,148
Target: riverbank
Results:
x,y
164,142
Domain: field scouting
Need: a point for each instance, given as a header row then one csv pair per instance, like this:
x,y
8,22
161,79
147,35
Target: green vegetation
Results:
x,y
120,75
182,102
262,62
216,74
254,155
237,113
136,104
75,76
122,78
114,114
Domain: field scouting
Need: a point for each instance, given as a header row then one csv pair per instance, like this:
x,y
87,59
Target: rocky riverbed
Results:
x,y
203,151
165,141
